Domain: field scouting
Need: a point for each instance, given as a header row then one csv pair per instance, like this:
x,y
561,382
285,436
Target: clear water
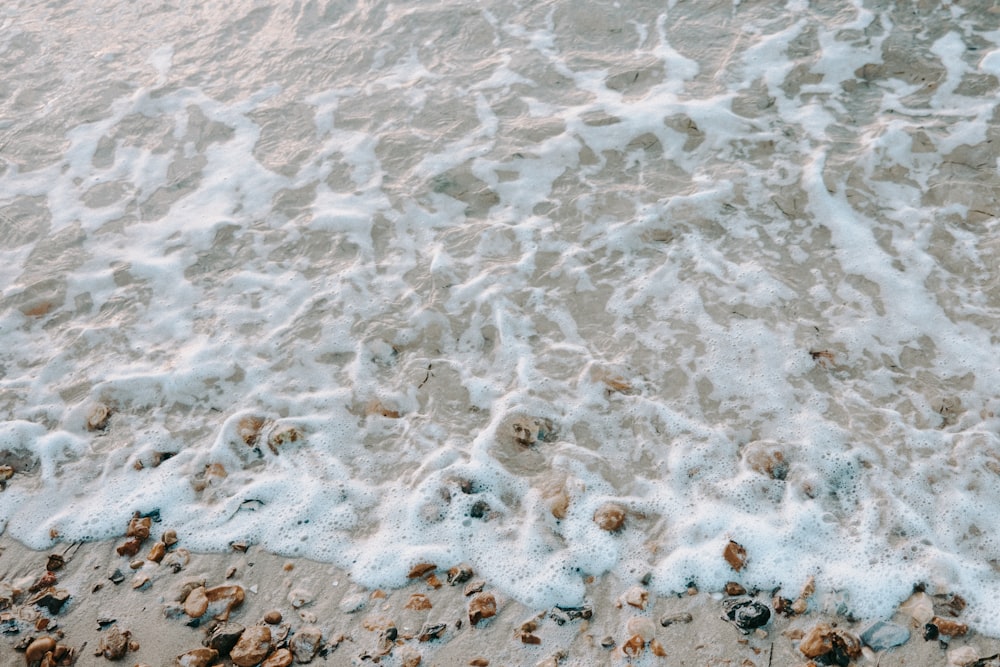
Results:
x,y
737,261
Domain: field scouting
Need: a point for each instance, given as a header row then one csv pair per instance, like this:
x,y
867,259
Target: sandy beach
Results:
x,y
134,611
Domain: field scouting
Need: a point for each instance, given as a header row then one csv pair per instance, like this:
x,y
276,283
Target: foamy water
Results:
x,y
730,266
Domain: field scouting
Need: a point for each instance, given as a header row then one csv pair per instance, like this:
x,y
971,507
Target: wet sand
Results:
x,y
358,624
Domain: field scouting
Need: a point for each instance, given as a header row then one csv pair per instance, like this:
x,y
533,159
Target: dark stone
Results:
x,y
746,613
479,509
51,599
562,614
117,577
224,637
930,632
55,563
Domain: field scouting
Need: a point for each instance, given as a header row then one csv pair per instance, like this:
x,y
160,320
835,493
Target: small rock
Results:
x,y
733,588
459,574
479,662
409,657
553,660
299,598
130,548
38,648
949,627
116,577
482,606
169,537
919,607
670,619
46,580
280,658
282,436
224,637
198,657
735,555
633,646
352,603
563,614
830,645
51,599
746,613
138,527
55,563
196,603
420,569
272,617
418,602
136,564
157,552
97,418
657,648
253,646
429,632
227,597
6,472
528,638
610,517
881,635
177,560
140,580
473,587
637,597
965,656
305,643
114,643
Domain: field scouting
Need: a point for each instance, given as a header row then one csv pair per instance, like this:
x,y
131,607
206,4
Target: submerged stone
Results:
x,y
882,635
746,613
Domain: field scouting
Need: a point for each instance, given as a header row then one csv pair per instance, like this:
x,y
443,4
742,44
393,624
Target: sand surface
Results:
x,y
354,621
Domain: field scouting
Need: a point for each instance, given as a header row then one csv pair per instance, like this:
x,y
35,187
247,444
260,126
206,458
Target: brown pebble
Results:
x,y
55,563
272,617
418,602
37,649
114,643
140,580
133,646
242,548
288,567
670,619
138,527
733,588
253,646
231,572
130,548
136,564
196,603
824,639
420,569
42,623
657,648
948,627
473,587
634,646
735,555
528,638
280,658
479,662
157,552
169,537
482,606
198,657
232,595
459,574
434,582
610,517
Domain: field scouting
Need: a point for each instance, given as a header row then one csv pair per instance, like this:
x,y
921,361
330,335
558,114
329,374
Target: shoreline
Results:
x,y
428,622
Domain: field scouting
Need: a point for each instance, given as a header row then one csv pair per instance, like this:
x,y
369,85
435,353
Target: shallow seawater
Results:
x,y
381,284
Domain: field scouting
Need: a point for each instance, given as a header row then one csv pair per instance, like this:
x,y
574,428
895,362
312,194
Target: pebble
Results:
x,y
459,574
197,657
253,646
919,607
169,537
482,606
746,613
157,552
965,656
429,632
52,599
196,603
418,602
299,598
474,587
114,643
231,596
224,637
610,517
305,643
633,646
736,555
670,619
55,563
881,635
138,527
38,648
280,658
272,617
733,588
657,648
637,597
830,645
948,627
